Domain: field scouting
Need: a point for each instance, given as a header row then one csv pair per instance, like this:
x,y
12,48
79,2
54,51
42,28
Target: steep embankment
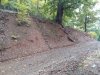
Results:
x,y
17,41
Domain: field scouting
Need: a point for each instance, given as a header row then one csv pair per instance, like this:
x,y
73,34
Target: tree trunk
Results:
x,y
59,13
85,24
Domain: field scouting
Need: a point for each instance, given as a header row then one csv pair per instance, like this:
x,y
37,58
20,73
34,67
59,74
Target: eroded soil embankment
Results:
x,y
18,41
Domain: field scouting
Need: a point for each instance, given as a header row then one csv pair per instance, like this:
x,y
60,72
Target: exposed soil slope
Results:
x,y
17,41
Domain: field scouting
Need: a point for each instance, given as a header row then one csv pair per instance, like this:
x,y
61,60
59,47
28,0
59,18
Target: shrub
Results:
x,y
22,12
93,34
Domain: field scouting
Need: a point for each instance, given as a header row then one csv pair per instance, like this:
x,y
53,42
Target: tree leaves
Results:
x,y
4,2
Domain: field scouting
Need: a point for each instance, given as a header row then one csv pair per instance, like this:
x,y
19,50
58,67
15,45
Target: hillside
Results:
x,y
39,36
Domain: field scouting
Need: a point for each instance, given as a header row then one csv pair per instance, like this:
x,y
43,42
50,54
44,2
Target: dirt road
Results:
x,y
74,60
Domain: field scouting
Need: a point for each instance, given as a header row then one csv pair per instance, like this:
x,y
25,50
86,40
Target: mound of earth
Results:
x,y
18,41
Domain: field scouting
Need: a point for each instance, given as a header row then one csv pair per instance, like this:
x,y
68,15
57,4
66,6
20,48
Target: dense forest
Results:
x,y
79,14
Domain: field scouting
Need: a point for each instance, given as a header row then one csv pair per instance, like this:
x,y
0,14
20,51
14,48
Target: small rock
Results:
x,y
94,65
14,37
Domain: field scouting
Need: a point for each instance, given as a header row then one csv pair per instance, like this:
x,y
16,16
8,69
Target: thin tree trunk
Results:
x,y
85,24
59,15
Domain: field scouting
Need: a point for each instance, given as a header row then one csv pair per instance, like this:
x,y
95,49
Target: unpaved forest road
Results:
x,y
74,60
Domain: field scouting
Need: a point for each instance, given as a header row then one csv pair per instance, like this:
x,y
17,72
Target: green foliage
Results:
x,y
22,11
93,34
48,8
70,16
78,18
98,34
21,6
4,2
